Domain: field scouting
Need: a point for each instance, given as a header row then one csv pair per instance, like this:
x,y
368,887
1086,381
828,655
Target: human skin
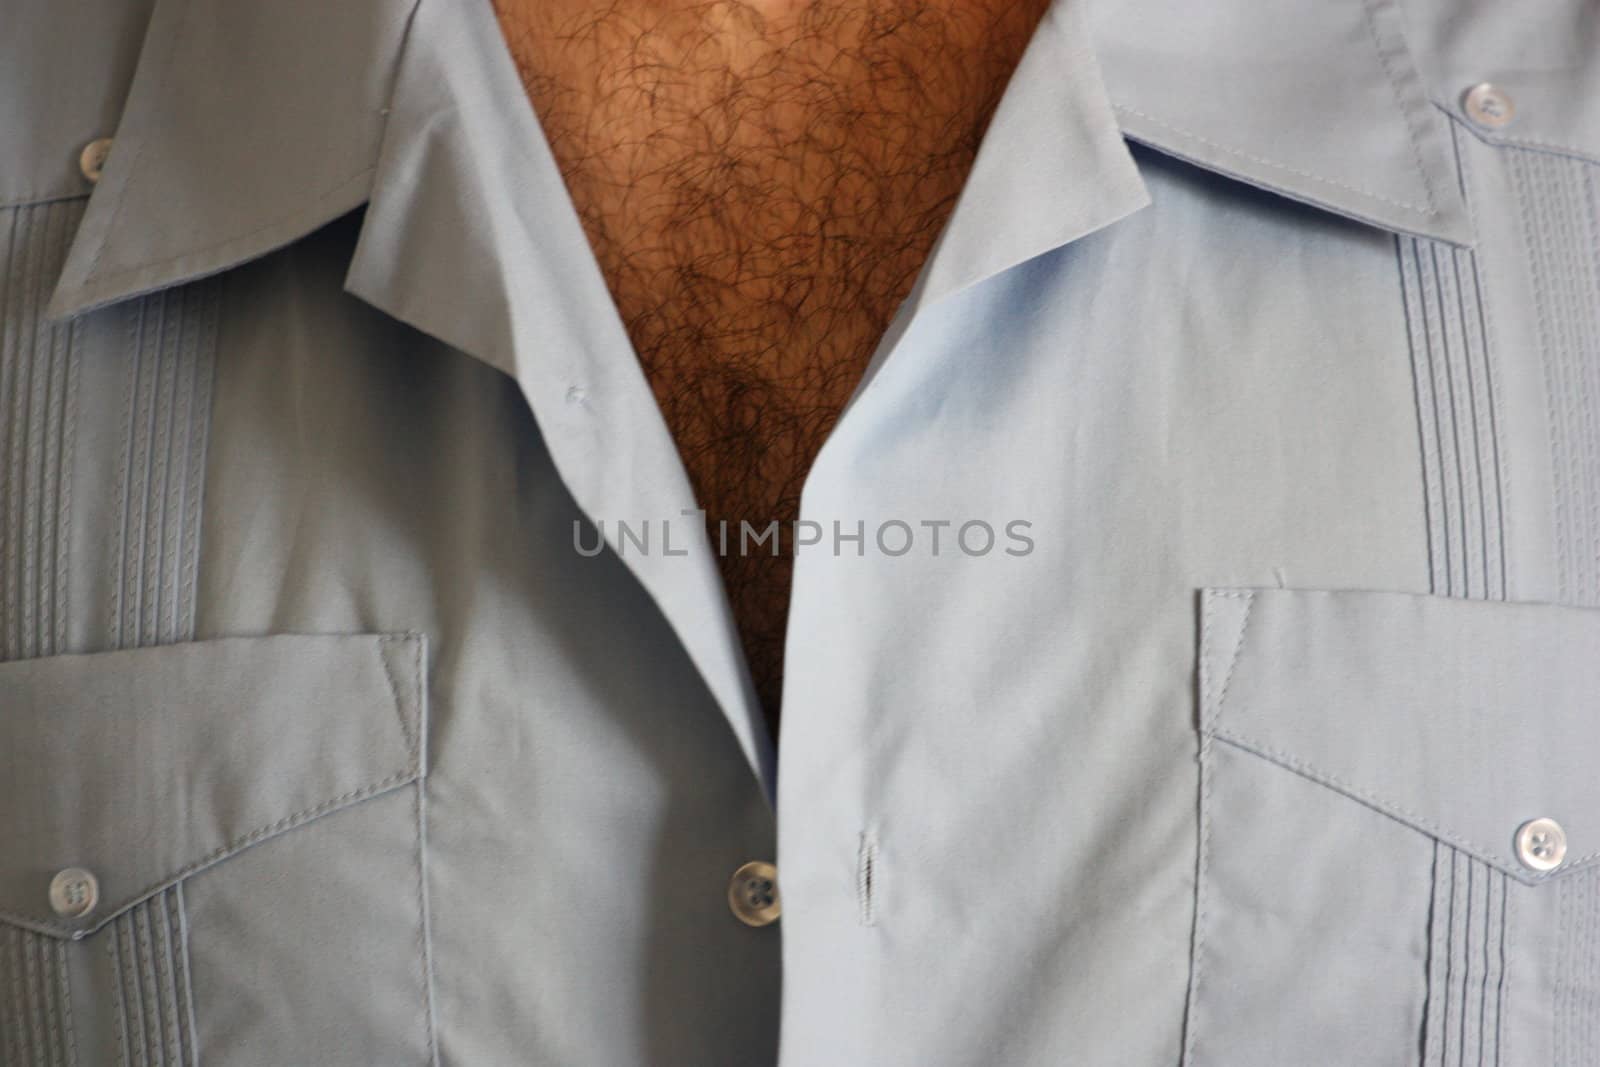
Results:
x,y
761,181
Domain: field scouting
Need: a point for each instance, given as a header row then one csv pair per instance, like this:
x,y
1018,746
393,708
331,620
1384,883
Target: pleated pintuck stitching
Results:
x,y
1576,994
1455,378
1560,216
1466,962
147,947
38,380
1561,227
1457,418
35,1013
167,364
171,347
171,351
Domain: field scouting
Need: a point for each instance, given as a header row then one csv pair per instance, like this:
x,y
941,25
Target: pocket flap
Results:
x,y
1461,718
145,765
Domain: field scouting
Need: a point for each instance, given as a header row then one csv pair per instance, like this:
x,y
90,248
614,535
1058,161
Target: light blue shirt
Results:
x,y
1243,715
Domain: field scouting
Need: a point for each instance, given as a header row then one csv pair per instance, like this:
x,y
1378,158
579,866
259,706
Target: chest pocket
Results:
x,y
213,852
1400,832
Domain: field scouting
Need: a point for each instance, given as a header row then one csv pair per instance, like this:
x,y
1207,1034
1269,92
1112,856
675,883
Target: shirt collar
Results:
x,y
246,126
249,125
1321,102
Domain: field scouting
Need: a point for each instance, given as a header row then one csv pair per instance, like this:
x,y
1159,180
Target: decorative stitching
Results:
x,y
1432,1014
180,912
36,386
165,400
23,201
36,1031
1392,809
149,981
1591,284
113,953
288,822
67,449
1561,267
1449,962
1483,979
1503,1042
1483,552
1572,951
1591,984
160,478
147,984
1463,484
30,432
132,994
203,369
1432,343
1525,144
118,535
68,1025
1427,412
1484,301
1466,545
11,335
12,1014
1561,986
166,967
136,547
1466,958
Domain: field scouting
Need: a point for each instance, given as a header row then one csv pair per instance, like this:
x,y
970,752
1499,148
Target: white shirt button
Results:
x,y
92,160
73,893
1488,106
753,894
1541,844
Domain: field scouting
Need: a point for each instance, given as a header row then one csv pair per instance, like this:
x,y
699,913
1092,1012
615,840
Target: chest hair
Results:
x,y
760,184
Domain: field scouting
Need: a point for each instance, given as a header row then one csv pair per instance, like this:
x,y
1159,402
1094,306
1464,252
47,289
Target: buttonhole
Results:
x,y
867,876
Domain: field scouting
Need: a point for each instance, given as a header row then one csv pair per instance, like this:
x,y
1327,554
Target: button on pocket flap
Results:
x,y
123,772
1475,722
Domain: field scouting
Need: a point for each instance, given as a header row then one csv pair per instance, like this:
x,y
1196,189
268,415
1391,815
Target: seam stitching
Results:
x,y
1415,209
288,822
1192,1014
1249,599
1372,800
1369,10
337,191
144,934
1485,303
118,997
424,948
180,909
37,1038
384,662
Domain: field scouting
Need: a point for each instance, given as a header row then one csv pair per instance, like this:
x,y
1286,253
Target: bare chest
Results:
x,y
760,191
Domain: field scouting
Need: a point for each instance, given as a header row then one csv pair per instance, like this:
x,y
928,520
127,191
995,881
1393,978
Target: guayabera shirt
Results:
x,y
329,734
